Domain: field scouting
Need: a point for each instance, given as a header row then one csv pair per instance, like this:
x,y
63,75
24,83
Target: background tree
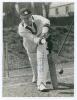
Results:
x,y
46,7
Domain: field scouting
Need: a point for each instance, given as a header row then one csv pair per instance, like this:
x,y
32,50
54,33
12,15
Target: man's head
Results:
x,y
25,15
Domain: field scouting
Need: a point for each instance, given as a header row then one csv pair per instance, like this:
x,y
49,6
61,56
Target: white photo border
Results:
x,y
75,52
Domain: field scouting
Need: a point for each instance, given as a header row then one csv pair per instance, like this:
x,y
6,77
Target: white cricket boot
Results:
x,y
42,87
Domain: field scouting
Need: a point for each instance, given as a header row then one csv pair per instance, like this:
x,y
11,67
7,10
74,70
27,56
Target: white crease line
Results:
x,y
65,68
66,76
17,76
57,69
17,84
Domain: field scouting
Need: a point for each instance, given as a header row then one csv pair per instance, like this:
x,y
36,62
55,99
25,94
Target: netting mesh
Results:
x,y
17,57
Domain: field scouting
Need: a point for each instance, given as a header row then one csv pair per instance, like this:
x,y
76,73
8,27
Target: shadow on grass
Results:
x,y
71,93
66,86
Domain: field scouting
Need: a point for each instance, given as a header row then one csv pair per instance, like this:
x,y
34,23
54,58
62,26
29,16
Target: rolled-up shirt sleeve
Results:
x,y
26,34
45,26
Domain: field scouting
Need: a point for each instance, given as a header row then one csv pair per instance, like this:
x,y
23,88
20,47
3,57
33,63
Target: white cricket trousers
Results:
x,y
42,64
39,64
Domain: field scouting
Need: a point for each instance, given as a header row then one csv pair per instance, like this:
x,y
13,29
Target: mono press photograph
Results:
x,y
38,49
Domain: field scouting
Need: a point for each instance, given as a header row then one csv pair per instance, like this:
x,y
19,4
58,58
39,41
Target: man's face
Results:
x,y
27,19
